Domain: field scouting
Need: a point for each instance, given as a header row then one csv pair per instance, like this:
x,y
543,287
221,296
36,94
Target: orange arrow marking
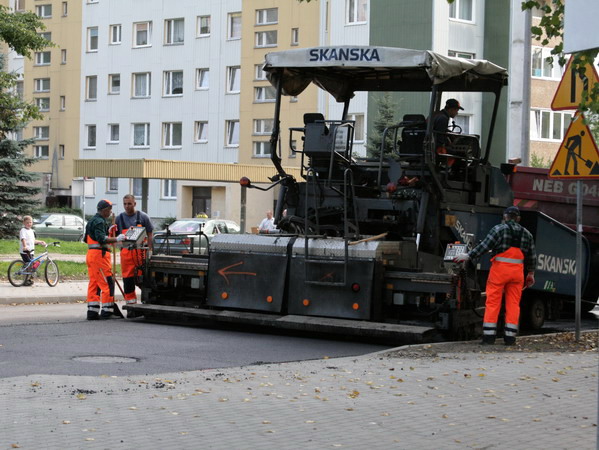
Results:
x,y
223,272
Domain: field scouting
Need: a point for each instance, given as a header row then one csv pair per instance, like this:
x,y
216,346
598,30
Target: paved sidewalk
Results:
x,y
454,401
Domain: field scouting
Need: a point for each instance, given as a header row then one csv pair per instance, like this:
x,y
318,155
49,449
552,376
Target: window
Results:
x,y
141,135
47,35
171,134
19,88
113,133
41,151
136,187
65,9
461,10
463,121
142,33
260,74
41,85
61,151
356,11
42,58
203,26
91,88
293,148
116,34
266,39
44,11
114,83
91,136
234,27
63,103
169,189
19,5
233,79
200,133
43,103
232,133
295,36
358,126
464,55
549,125
92,39
174,31
112,184
41,133
541,68
265,94
173,83
263,126
202,78
261,149
63,56
141,85
267,16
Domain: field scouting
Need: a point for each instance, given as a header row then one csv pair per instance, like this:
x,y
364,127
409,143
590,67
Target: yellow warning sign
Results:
x,y
577,157
572,85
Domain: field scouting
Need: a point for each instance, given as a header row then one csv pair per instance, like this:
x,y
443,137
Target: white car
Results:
x,y
183,235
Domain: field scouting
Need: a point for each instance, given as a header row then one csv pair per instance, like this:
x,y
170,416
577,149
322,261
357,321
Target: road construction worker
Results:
x,y
100,290
513,251
132,258
441,127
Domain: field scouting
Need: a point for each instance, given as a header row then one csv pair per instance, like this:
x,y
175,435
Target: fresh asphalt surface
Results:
x,y
56,339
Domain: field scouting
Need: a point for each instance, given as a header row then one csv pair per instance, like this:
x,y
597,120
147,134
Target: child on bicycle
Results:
x,y
27,243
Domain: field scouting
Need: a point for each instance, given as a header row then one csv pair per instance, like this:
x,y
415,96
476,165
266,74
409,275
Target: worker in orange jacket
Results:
x,y
100,290
513,251
131,258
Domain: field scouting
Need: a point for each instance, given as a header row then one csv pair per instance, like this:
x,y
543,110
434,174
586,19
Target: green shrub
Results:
x,y
166,221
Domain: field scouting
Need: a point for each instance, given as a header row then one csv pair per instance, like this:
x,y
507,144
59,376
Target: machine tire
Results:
x,y
16,279
534,313
51,273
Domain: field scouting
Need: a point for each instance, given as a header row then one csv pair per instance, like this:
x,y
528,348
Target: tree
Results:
x,y
384,119
20,31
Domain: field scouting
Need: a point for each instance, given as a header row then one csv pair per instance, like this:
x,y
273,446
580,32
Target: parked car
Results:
x,y
63,227
185,238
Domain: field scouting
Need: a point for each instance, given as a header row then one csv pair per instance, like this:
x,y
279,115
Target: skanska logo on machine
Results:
x,y
550,263
344,54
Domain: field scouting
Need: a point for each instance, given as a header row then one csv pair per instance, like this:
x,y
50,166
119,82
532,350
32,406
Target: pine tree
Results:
x,y
384,119
20,31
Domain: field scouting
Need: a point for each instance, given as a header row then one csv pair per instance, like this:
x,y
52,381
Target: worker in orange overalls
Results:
x,y
101,284
131,258
441,127
513,251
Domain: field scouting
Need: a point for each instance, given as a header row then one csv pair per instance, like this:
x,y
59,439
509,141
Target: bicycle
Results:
x,y
19,272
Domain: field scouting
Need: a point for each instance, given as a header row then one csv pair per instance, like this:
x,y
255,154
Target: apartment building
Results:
x,y
161,81
52,80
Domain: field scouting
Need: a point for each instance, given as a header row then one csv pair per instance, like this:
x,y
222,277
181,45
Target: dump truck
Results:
x,y
365,246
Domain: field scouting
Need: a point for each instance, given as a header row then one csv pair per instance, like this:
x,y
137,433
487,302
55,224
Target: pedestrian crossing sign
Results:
x,y
570,89
577,157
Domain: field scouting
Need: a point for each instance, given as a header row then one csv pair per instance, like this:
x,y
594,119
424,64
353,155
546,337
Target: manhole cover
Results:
x,y
103,359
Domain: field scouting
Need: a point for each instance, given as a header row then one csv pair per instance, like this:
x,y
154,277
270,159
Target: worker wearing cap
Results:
x,y
132,258
441,126
100,290
513,251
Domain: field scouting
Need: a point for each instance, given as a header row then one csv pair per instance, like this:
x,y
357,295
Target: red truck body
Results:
x,y
535,191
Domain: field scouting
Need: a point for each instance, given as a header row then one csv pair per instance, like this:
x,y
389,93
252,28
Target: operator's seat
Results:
x,y
412,135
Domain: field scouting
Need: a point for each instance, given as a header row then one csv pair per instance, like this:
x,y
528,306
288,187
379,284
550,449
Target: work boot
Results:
x,y
488,340
509,340
92,315
132,314
108,314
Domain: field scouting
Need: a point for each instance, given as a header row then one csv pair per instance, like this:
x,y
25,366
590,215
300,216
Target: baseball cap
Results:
x,y
453,103
512,210
104,204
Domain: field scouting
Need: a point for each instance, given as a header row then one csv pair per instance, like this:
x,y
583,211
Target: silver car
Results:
x,y
185,237
63,227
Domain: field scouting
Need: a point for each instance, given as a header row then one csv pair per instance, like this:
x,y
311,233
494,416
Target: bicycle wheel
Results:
x,y
16,273
51,273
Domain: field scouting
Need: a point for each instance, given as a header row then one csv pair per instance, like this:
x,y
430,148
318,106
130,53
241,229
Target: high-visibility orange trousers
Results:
x,y
129,260
99,270
507,278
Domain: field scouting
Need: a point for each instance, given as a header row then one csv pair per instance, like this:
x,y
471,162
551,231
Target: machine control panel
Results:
x,y
454,250
135,236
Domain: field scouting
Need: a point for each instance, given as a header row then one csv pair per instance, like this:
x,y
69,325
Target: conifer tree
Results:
x,y
385,118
